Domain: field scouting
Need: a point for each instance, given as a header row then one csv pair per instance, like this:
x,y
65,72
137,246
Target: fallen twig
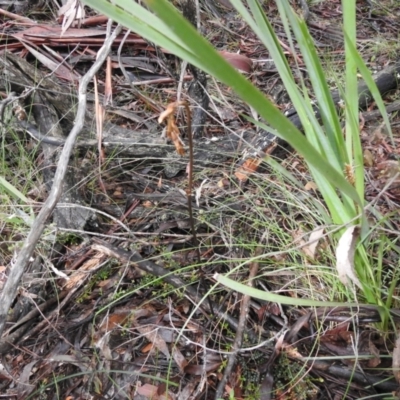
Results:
x,y
17,17
38,226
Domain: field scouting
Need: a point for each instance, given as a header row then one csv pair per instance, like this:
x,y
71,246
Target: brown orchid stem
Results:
x,y
189,197
190,183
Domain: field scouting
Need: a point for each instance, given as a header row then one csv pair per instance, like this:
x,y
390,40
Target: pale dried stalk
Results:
x,y
39,224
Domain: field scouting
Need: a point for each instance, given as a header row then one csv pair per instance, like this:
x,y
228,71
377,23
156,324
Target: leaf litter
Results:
x,y
116,331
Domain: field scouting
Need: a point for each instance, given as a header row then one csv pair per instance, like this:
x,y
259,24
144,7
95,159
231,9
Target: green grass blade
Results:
x,y
13,190
353,142
331,144
212,63
369,80
140,20
266,34
208,59
277,298
334,151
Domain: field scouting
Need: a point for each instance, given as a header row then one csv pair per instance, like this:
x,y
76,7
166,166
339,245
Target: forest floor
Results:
x,y
118,300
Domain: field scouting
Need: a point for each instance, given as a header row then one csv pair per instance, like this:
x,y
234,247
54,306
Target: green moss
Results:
x,y
291,377
101,275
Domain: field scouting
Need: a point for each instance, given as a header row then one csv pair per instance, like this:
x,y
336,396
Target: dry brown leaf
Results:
x,y
170,110
54,32
174,134
152,335
102,344
60,70
198,369
179,358
121,318
345,256
148,390
147,348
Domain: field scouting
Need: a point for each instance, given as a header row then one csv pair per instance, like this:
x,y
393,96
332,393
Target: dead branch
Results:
x,y
38,226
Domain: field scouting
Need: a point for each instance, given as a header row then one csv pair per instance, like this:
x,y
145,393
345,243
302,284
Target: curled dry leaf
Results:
x,y
311,248
308,248
345,256
238,61
170,110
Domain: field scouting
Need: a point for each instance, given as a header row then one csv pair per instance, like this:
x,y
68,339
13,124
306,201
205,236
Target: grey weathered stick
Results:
x,y
38,226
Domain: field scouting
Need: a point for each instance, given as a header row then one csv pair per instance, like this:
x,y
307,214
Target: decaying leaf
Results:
x,y
198,369
187,391
179,358
62,71
313,241
396,360
103,346
152,335
308,247
345,256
